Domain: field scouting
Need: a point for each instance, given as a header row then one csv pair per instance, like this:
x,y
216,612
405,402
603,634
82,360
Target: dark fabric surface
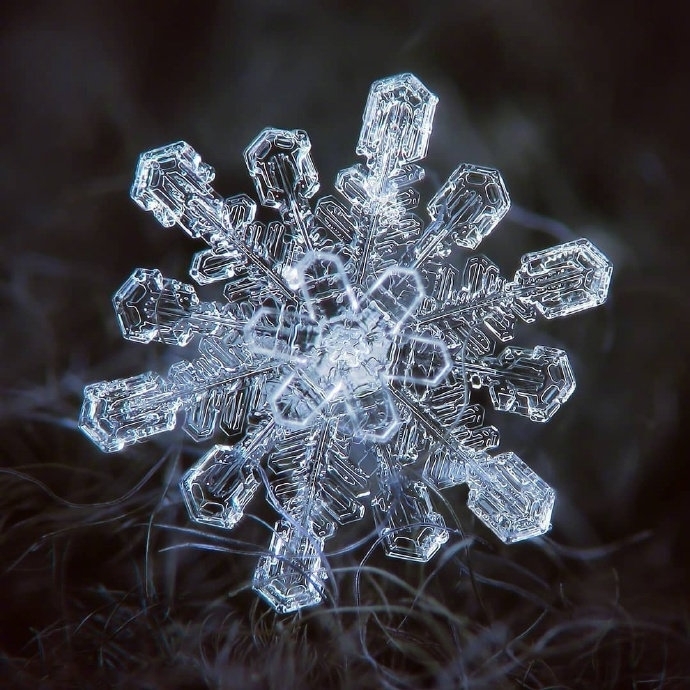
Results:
x,y
584,108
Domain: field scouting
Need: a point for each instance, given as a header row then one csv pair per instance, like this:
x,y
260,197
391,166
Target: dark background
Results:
x,y
584,108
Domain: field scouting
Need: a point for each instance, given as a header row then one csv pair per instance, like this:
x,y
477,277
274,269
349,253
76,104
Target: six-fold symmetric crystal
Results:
x,y
344,336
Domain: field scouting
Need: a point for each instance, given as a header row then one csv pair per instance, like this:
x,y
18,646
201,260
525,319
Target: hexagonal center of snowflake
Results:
x,y
348,350
340,349
345,346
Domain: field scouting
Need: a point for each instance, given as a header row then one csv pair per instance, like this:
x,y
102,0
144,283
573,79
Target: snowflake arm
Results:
x,y
343,322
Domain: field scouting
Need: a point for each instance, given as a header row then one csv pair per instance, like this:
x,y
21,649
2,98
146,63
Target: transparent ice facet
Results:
x,y
411,530
299,399
397,294
282,168
397,123
290,577
373,412
420,360
341,356
174,184
471,203
219,487
444,469
118,413
150,308
282,334
564,279
352,183
325,286
509,498
284,175
212,265
532,383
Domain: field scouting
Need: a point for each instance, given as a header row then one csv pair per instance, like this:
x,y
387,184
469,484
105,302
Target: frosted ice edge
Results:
x,y
342,327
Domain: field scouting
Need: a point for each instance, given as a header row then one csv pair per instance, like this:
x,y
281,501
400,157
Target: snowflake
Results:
x,y
344,337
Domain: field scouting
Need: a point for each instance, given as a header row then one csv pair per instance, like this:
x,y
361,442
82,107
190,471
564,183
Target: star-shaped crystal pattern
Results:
x,y
340,363
338,348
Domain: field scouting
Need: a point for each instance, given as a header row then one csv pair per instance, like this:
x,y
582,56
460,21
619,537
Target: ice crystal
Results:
x,y
344,336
